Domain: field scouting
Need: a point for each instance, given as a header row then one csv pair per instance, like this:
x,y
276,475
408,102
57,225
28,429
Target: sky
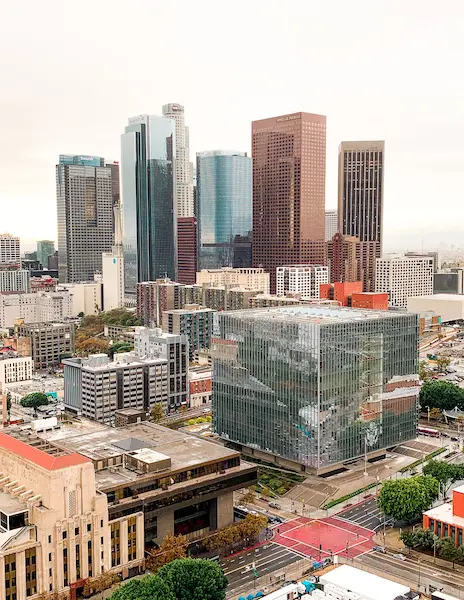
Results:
x,y
71,73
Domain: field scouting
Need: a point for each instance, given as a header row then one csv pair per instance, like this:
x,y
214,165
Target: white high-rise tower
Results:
x,y
113,268
184,168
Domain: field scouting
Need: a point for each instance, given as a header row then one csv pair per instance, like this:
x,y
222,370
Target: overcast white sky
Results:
x,y
71,73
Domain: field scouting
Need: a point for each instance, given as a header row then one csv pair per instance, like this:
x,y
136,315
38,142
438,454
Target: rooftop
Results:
x,y
314,314
444,513
365,584
98,442
101,362
447,297
10,505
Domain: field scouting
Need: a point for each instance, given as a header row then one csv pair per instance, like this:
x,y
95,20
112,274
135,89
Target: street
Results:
x,y
269,558
419,574
366,514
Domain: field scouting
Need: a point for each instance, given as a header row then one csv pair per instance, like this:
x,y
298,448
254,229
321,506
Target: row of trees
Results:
x,y
181,579
425,372
245,530
89,338
406,499
443,395
423,539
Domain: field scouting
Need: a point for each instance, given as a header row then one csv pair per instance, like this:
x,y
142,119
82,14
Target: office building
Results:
x,y
187,250
434,254
224,209
53,262
331,224
39,307
193,321
56,531
95,387
14,280
360,191
289,154
10,251
403,278
158,480
184,168
113,268
301,279
449,281
154,343
45,248
154,297
350,260
148,155
276,367
256,279
85,297
447,519
49,342
85,216
13,369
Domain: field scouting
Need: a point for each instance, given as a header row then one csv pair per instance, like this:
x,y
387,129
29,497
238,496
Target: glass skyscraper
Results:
x,y
224,209
148,192
315,385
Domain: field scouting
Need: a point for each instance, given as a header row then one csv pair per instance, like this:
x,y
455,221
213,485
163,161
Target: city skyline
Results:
x,y
420,124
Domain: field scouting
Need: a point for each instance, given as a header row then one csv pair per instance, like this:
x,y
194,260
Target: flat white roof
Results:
x,y
447,297
368,585
444,513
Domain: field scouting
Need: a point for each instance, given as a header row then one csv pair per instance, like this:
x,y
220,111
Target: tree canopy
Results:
x,y
444,395
150,587
443,472
119,347
171,548
194,579
34,400
406,499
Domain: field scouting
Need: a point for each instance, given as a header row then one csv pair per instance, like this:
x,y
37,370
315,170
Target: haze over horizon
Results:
x,y
386,70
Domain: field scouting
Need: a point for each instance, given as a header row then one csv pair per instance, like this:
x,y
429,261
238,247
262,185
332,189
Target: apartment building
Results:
x,y
85,297
56,531
193,321
40,307
14,369
256,279
404,277
96,387
10,251
301,279
49,342
15,280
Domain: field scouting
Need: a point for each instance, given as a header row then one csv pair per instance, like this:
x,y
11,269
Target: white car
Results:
x,y
399,556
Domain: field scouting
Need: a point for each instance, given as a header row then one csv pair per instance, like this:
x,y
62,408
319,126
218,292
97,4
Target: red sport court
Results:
x,y
333,535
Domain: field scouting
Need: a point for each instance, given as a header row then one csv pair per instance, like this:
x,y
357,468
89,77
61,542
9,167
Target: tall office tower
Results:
x,y
149,210
288,191
113,268
404,277
187,250
331,224
184,168
85,216
301,279
45,248
360,191
9,249
350,260
224,205
433,254
276,366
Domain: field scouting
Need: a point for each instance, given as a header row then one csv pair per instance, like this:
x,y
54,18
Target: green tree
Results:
x,y
194,579
119,347
448,550
406,499
409,539
34,400
8,404
81,315
444,395
150,587
442,363
171,548
157,412
435,413
443,472
424,371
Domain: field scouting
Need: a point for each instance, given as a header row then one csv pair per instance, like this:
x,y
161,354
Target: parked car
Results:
x,y
274,505
399,556
379,549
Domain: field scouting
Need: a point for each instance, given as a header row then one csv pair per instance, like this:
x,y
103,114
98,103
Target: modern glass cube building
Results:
x,y
315,386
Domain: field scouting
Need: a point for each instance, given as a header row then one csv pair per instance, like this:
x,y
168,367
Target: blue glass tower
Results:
x,y
224,209
148,192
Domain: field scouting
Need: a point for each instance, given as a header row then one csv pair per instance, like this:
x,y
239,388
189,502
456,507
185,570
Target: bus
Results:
x,y
427,431
442,596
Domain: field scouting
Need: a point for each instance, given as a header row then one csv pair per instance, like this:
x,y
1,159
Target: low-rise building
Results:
x,y
49,342
450,307
41,307
404,277
96,387
14,368
268,300
120,333
255,279
301,279
447,519
85,297
56,531
200,384
44,283
194,321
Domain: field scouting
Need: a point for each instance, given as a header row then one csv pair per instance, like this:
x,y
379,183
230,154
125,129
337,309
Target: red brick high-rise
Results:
x,y
288,191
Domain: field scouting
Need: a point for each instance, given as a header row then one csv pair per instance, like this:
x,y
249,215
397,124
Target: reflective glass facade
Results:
x,y
149,219
224,209
315,385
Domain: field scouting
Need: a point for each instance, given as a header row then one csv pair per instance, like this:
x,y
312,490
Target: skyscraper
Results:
x,y
331,224
360,191
85,215
184,168
288,191
113,268
149,209
45,248
224,207
187,250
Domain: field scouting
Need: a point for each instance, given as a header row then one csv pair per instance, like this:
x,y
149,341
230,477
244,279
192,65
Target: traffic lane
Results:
x,y
367,514
418,574
267,559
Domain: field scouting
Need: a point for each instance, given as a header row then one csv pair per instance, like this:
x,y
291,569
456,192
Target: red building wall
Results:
x,y
377,301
